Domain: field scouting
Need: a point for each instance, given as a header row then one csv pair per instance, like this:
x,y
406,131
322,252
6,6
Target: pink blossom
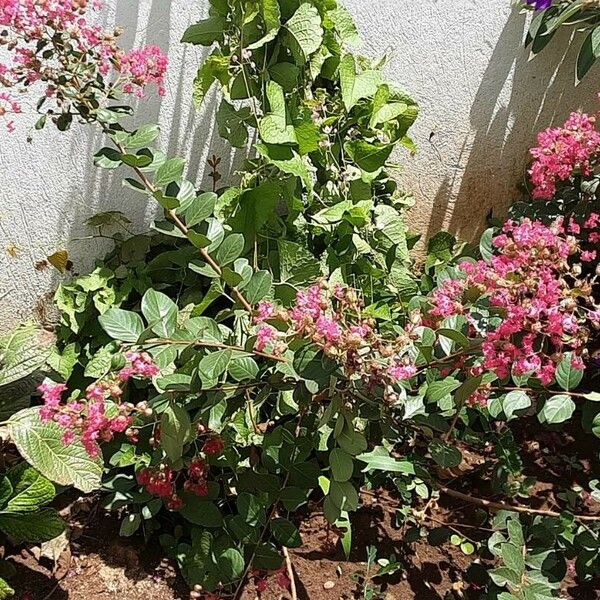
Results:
x,y
266,310
402,372
588,255
265,335
563,151
328,328
142,67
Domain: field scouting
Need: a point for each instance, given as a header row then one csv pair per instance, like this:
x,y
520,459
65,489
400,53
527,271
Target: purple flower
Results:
x,y
540,4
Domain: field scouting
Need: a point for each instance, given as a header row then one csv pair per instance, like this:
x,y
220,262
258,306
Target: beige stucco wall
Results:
x,y
482,103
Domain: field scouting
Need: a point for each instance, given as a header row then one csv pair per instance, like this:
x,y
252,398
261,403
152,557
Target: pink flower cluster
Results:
x,y
53,41
8,106
530,282
141,365
563,152
330,317
91,419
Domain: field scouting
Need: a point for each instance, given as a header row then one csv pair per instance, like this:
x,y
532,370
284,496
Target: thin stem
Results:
x,y
536,391
172,215
205,344
510,507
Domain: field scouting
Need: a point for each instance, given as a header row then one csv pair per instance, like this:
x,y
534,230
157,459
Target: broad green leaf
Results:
x,y
214,68
343,495
274,127
206,32
122,325
567,376
557,409
369,157
30,490
171,170
289,161
267,557
160,312
342,465
355,86
589,53
175,429
213,365
445,455
243,369
130,524
201,512
259,287
198,209
230,249
63,362
304,33
379,459
232,124
513,557
345,26
5,590
41,445
272,18
513,402
22,352
142,137
437,390
298,266
32,527
286,533
231,564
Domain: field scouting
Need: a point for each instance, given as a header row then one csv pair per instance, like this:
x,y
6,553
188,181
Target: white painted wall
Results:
x,y
482,103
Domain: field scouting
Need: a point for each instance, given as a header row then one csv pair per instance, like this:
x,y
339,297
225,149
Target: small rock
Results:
x,y
329,585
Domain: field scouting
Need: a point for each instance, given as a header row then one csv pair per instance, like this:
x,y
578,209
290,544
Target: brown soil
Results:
x,y
100,565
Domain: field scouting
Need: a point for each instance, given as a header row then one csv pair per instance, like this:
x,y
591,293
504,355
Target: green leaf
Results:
x,y
130,524
41,445
171,170
101,363
345,26
30,490
304,33
272,18
213,365
198,209
63,362
592,396
259,287
557,409
232,124
250,509
243,369
379,459
589,53
201,512
160,312
438,390
342,465
230,249
142,137
515,401
273,127
214,68
231,564
175,429
513,558
445,455
32,527
485,245
266,557
205,33
369,157
22,352
286,533
5,590
343,495
122,325
288,161
298,266
567,376
355,86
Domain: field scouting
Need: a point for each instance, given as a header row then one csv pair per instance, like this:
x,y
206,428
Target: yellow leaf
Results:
x,y
59,260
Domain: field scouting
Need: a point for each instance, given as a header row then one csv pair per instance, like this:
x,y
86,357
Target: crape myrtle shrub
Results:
x,y
271,343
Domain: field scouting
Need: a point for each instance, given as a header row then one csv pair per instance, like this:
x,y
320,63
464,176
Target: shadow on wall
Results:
x,y
542,94
186,132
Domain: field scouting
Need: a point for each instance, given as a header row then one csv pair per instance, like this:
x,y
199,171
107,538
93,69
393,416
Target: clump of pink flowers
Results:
x,y
79,63
99,415
563,152
329,316
532,283
8,106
